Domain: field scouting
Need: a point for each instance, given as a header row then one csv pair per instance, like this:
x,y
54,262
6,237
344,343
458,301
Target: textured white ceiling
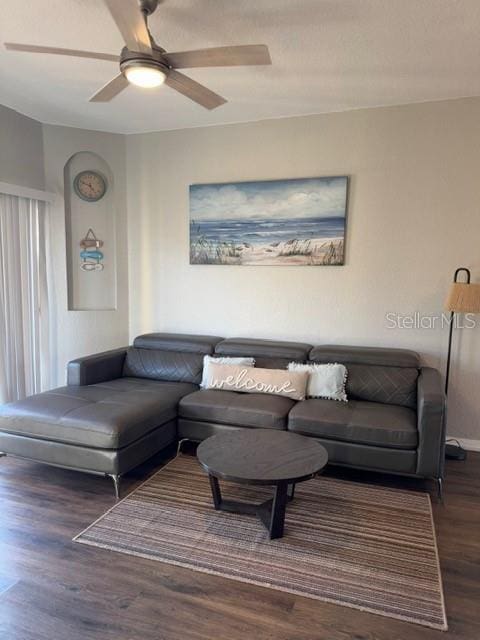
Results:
x,y
328,55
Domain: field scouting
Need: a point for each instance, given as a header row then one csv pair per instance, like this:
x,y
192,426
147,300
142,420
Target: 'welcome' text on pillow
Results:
x,y
291,384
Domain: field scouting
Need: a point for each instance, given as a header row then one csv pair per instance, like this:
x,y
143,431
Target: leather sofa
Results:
x,y
118,409
123,406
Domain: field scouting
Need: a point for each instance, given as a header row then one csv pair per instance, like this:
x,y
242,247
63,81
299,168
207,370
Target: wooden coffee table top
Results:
x,y
261,456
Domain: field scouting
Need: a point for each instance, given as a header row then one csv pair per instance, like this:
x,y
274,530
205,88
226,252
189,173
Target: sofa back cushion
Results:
x,y
163,365
168,356
388,385
388,376
268,354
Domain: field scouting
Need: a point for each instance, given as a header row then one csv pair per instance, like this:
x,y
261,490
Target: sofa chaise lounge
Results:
x,y
121,407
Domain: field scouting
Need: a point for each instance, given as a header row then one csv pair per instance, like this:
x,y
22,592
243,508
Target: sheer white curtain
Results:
x,y
24,304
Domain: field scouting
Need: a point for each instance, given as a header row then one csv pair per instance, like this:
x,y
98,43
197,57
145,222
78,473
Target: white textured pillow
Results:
x,y
207,360
280,382
325,380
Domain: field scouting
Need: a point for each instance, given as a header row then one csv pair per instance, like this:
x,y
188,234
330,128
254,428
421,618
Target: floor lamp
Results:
x,y
463,297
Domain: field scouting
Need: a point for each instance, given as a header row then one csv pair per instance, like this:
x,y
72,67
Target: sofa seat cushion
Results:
x,y
357,421
239,409
108,415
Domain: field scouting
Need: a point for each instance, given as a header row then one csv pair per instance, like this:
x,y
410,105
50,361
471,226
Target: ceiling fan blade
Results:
x,y
111,89
193,90
131,24
32,48
250,54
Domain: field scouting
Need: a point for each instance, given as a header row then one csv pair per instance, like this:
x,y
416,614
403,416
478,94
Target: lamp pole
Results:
x,y
450,333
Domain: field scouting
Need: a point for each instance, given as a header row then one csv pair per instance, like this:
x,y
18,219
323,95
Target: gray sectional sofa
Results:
x,y
121,407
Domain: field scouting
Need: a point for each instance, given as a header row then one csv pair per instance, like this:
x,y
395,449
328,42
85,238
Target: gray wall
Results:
x,y
21,150
34,155
413,218
79,333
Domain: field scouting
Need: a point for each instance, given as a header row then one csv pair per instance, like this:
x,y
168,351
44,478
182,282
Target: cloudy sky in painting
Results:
x,y
306,198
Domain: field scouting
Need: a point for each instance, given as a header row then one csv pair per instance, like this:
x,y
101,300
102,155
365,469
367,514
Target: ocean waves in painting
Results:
x,y
260,231
267,241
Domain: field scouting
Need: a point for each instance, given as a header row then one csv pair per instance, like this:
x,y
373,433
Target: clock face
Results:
x,y
90,185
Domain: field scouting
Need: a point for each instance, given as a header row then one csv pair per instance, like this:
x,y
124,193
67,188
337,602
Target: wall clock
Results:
x,y
90,186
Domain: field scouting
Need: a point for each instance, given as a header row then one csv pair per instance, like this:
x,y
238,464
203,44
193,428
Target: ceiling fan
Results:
x,y
144,63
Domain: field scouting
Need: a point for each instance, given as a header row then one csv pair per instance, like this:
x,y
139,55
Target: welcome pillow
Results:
x,y
325,380
208,360
280,382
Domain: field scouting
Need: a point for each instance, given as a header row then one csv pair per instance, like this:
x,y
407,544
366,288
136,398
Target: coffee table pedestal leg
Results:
x,y
277,517
291,491
271,512
216,493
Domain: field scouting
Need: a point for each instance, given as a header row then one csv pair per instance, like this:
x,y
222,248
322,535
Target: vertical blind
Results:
x,y
24,300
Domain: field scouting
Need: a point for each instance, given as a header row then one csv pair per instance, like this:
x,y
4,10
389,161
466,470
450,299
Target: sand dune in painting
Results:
x,y
314,251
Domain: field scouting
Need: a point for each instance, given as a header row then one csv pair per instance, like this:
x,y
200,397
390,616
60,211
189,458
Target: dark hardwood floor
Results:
x,y
54,589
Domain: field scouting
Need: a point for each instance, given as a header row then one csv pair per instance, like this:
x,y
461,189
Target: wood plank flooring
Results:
x,y
53,589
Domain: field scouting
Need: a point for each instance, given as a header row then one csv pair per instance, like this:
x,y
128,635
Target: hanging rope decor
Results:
x,y
90,254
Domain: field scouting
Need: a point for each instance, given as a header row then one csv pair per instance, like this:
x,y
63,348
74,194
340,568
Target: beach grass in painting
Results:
x,y
275,222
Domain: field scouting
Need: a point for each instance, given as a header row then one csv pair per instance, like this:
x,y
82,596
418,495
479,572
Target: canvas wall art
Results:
x,y
273,222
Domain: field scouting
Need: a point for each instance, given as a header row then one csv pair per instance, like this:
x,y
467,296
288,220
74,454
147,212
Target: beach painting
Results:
x,y
271,222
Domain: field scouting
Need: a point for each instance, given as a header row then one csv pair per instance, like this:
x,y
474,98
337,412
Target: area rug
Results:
x,y
356,545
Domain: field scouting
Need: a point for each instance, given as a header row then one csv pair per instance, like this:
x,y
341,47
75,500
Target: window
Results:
x,y
24,309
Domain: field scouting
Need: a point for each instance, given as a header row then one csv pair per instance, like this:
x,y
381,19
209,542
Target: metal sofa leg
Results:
x,y
116,483
439,483
180,444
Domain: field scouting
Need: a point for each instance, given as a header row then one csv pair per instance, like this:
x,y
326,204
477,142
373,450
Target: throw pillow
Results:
x,y
291,384
207,360
325,380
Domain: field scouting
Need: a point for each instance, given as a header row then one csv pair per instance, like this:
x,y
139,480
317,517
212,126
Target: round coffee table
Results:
x,y
261,457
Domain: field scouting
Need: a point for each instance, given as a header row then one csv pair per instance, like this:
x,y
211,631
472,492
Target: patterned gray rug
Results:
x,y
356,545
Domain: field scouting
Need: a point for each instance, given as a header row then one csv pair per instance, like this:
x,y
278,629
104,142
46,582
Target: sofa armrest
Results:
x,y
431,424
99,367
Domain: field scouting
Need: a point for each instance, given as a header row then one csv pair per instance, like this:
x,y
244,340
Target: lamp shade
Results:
x,y
463,297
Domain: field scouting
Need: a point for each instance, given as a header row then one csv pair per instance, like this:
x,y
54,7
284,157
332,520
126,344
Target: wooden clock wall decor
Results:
x,y
90,186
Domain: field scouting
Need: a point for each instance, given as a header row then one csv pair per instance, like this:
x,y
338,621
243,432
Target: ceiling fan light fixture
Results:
x,y
144,75
145,64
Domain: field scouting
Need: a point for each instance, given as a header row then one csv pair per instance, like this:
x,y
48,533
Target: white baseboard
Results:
x,y
469,445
